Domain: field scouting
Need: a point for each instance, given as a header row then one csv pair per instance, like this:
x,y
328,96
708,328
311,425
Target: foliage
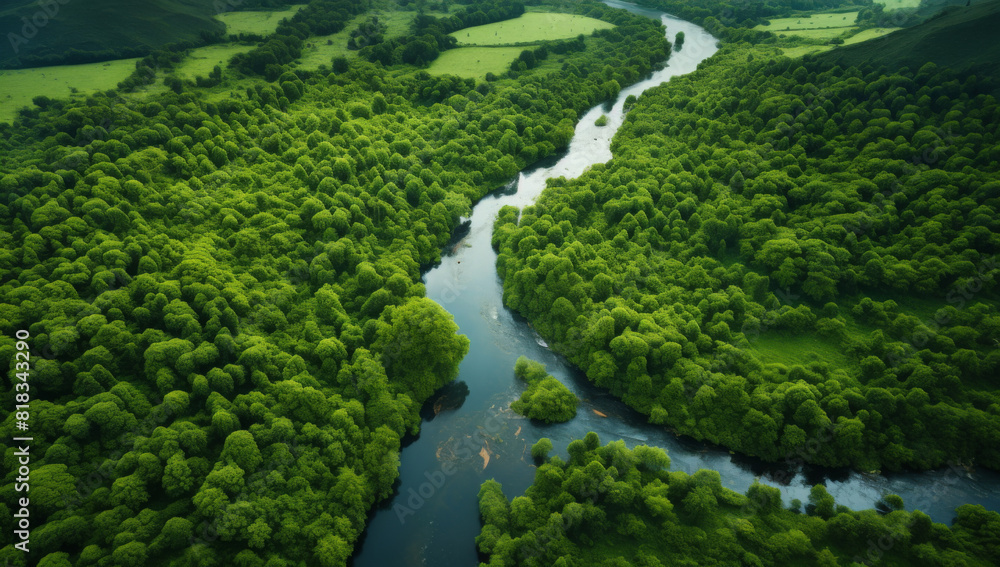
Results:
x,y
229,331
614,506
762,196
430,34
545,398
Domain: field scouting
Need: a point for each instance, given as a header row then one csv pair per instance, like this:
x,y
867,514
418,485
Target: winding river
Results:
x,y
469,434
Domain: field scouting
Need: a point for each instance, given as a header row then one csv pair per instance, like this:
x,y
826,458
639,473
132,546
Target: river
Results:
x,y
469,434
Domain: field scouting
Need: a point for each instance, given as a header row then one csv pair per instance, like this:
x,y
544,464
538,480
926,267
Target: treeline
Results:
x,y
430,35
768,202
76,56
229,331
619,507
320,17
875,16
625,26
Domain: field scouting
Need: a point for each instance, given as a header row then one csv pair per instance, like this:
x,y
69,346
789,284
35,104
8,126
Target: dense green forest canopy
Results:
x,y
618,507
761,201
229,333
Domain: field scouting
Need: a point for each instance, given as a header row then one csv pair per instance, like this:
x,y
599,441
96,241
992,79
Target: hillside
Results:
x,y
98,29
962,38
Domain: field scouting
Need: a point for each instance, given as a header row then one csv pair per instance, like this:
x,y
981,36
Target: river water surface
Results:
x,y
469,434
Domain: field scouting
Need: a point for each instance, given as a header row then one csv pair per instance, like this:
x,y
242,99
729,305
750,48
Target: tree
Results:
x,y
700,503
419,346
820,502
241,448
540,450
177,477
548,400
132,554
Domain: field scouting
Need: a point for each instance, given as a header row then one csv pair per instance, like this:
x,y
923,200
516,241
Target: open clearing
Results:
x,y
529,28
799,51
865,35
262,23
19,86
815,21
897,4
823,33
202,60
475,62
789,348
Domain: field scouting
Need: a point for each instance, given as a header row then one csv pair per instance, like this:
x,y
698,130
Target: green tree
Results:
x,y
419,346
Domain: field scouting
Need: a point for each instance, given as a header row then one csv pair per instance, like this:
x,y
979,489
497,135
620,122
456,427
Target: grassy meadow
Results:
x,y
800,50
529,28
202,60
19,86
815,21
262,23
820,34
320,50
819,28
897,4
475,62
865,35
791,348
822,26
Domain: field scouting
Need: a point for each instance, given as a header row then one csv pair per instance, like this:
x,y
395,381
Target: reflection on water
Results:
x,y
450,397
470,434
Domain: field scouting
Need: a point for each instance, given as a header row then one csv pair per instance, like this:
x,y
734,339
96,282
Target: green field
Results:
x,y
474,62
18,87
529,28
790,348
822,33
815,21
897,4
202,60
801,50
865,35
321,49
262,23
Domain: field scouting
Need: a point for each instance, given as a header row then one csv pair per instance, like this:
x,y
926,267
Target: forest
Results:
x,y
618,507
760,199
223,295
220,282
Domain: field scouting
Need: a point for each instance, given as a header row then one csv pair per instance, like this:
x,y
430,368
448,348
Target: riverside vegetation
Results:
x,y
782,198
546,398
612,506
791,259
230,337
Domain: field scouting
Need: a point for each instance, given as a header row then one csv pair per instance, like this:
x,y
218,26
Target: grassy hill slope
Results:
x,y
104,29
962,38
